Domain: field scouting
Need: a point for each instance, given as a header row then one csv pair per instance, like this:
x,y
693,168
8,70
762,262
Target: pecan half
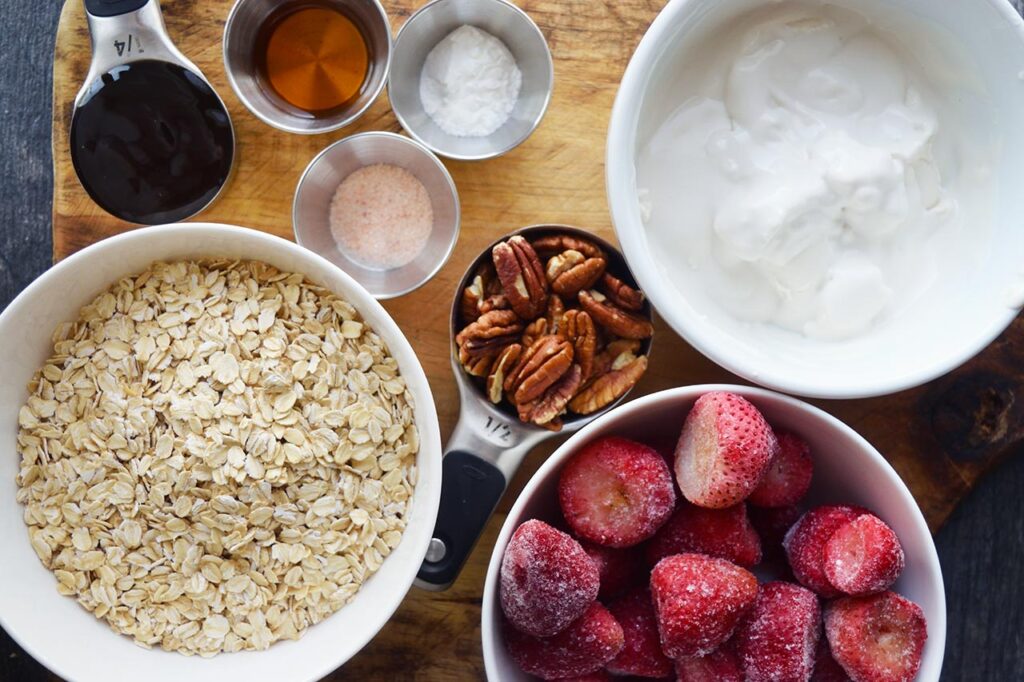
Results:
x,y
534,331
570,272
578,329
616,320
481,341
621,294
540,366
472,297
555,313
522,277
552,404
557,243
616,355
502,367
607,388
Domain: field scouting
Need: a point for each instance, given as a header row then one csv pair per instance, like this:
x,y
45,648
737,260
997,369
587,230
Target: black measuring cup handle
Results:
x,y
470,490
113,8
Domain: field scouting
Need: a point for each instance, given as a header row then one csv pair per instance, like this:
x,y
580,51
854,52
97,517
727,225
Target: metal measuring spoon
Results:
x,y
151,141
489,441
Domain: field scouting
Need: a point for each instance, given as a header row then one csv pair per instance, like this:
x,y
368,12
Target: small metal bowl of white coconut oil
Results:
x,y
453,131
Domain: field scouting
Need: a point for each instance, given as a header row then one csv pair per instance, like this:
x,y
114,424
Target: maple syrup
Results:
x,y
313,57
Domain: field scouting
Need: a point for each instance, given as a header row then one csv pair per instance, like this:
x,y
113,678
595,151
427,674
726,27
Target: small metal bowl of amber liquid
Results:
x,y
307,66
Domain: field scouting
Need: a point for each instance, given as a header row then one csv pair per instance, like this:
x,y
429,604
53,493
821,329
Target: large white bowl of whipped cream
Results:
x,y
823,197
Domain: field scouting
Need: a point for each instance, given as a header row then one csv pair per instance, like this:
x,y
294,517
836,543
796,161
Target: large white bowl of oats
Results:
x,y
218,445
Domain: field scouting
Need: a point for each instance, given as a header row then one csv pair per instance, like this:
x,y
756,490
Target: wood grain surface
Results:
x,y
941,438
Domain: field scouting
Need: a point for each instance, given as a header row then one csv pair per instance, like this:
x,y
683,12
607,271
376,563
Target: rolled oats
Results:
x,y
216,456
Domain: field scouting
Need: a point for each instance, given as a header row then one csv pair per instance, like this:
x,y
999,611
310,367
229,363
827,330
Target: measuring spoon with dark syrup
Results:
x,y
151,141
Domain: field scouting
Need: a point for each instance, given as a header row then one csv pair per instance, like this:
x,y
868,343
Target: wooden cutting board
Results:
x,y
940,438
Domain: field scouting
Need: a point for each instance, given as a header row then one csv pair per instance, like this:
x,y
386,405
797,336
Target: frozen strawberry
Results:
x,y
642,655
778,639
582,648
617,568
825,667
698,601
788,476
771,525
805,545
724,450
547,580
616,492
863,556
879,638
724,533
721,665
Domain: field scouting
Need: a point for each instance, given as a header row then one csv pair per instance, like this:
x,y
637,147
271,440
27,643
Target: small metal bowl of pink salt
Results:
x,y
381,207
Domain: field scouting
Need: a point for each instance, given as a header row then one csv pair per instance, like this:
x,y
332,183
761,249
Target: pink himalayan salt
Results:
x,y
381,216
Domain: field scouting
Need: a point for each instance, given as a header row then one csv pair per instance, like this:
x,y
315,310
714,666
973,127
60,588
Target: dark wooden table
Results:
x,y
981,548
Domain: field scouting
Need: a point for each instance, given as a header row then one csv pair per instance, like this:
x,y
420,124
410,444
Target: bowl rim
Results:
x,y
353,116
399,139
696,329
540,114
387,329
490,639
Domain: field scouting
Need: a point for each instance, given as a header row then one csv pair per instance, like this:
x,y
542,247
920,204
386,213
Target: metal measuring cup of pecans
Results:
x,y
548,332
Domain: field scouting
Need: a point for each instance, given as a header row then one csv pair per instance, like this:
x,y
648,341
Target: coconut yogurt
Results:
x,y
812,176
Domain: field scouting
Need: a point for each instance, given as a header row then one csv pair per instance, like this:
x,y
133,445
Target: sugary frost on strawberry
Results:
x,y
616,492
582,648
778,638
863,556
805,545
724,533
698,601
724,450
878,638
547,580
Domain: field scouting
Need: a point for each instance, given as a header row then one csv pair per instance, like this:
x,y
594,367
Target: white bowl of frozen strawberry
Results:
x,y
715,533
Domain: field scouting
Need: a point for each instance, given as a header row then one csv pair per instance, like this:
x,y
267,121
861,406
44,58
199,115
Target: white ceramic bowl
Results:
x,y
846,470
62,635
958,318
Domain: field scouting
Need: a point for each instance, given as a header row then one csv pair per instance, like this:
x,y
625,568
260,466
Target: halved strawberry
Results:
x,y
547,580
721,665
789,475
724,450
879,638
618,569
698,601
642,655
724,533
583,648
805,545
616,492
863,556
778,638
